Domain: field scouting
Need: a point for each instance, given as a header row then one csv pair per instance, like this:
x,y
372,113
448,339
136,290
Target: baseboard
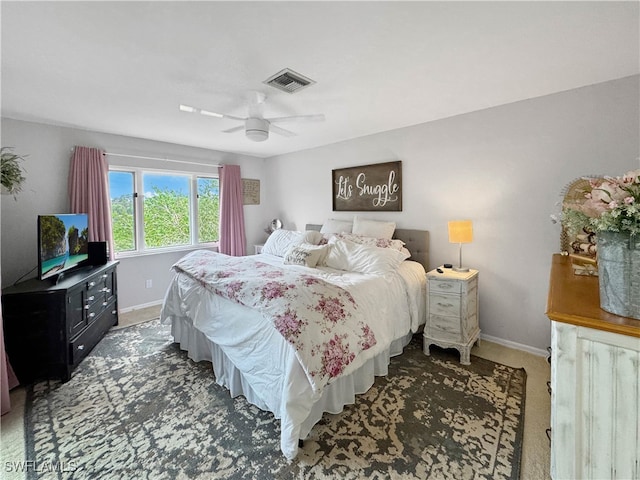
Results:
x,y
517,346
138,307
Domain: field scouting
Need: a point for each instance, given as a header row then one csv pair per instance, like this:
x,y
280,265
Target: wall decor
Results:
x,y
375,187
250,191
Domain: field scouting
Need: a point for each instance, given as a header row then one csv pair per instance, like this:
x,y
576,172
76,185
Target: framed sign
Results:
x,y
250,191
376,187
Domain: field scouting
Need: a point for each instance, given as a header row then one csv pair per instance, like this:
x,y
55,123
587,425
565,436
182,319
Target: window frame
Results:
x,y
138,210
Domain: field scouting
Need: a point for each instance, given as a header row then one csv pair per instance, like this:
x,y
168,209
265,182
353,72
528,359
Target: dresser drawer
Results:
x,y
444,304
84,343
442,285
444,328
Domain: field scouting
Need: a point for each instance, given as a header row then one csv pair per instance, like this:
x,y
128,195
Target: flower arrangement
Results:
x,y
11,170
610,204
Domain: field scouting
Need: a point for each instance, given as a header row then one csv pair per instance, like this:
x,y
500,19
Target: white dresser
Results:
x,y
452,311
595,382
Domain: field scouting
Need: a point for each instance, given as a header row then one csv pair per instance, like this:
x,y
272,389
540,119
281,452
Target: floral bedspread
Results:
x,y
317,318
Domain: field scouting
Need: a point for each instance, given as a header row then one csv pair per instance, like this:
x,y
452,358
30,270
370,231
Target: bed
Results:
x,y
236,325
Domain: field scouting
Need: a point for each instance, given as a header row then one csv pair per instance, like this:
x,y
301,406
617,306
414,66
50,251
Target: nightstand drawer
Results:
x,y
444,328
444,305
442,285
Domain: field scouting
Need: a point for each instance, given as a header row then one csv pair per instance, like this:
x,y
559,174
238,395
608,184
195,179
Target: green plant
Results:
x,y
12,171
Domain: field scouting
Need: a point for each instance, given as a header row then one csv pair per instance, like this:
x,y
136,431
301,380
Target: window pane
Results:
x,y
122,210
166,210
208,209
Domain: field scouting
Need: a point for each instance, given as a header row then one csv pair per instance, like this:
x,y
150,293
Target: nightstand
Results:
x,y
258,248
452,311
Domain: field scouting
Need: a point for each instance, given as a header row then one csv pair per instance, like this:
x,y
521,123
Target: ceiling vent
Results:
x,y
289,81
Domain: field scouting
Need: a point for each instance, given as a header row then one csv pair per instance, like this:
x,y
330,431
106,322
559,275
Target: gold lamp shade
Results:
x,y
460,231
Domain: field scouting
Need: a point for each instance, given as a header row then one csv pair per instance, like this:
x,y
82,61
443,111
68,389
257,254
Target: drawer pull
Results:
x,y
91,298
104,304
104,275
113,312
92,314
86,307
80,347
106,290
445,285
445,305
92,284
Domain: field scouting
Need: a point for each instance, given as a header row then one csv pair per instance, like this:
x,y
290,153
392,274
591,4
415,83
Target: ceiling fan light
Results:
x,y
187,108
257,135
257,129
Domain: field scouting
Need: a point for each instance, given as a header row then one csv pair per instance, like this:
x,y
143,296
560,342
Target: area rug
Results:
x,y
138,408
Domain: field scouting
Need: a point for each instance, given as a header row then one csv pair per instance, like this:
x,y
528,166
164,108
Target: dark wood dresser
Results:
x,y
49,328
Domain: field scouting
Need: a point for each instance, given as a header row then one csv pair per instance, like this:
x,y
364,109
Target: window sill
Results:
x,y
161,251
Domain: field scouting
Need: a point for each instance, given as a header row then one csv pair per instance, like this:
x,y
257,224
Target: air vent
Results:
x,y
289,81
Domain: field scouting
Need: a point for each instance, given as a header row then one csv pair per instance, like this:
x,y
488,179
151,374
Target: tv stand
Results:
x,y
49,327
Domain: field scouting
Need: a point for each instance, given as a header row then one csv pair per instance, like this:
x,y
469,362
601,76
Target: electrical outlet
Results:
x,y
148,284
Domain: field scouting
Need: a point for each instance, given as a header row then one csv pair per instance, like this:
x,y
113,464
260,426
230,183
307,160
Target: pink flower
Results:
x,y
629,200
289,325
336,357
332,308
274,290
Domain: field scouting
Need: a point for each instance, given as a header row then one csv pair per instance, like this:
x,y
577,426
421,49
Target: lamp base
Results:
x,y
461,269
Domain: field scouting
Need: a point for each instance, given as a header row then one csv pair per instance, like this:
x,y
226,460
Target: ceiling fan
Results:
x,y
256,126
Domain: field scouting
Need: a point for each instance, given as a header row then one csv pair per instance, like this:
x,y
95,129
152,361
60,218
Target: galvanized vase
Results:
x,y
619,273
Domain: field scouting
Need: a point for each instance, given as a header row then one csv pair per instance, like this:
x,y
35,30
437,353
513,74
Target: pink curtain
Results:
x,y
89,192
8,379
232,237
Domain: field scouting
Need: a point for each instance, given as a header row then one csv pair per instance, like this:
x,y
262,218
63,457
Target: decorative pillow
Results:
x,y
352,257
372,241
305,255
336,226
280,241
373,228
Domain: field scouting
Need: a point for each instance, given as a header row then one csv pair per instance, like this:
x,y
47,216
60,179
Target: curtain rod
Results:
x,y
163,159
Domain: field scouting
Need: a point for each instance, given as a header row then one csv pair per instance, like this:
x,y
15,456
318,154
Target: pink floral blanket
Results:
x,y
316,317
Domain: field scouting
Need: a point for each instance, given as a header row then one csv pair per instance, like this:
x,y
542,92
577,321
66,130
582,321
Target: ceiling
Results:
x,y
125,67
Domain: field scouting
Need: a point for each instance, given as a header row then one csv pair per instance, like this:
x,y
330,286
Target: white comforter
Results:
x,y
391,304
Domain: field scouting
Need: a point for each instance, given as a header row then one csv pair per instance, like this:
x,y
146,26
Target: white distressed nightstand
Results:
x,y
452,311
258,248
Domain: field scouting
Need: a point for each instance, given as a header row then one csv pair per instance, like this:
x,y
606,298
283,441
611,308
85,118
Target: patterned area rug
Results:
x,y
137,407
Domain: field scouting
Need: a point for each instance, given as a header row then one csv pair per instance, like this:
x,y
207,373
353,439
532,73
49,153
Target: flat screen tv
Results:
x,y
62,243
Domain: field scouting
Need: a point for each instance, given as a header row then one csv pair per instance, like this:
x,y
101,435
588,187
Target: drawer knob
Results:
x,y
80,347
91,298
104,275
107,290
113,312
92,314
92,284
86,307
104,304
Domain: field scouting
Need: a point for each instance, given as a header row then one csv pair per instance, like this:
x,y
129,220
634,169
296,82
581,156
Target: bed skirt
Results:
x,y
335,396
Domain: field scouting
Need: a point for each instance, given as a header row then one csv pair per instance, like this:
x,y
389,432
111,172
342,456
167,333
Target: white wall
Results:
x,y
45,191
504,168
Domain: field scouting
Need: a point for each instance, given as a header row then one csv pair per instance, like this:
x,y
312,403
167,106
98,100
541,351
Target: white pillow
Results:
x,y
336,226
312,236
305,255
373,228
352,257
280,241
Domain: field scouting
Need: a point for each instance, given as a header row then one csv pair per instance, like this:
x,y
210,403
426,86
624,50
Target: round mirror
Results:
x,y
276,224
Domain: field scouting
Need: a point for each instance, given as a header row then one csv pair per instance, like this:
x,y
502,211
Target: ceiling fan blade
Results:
x,y
298,118
208,113
233,129
281,131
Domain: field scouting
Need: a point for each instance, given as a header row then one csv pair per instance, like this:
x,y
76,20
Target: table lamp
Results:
x,y
460,231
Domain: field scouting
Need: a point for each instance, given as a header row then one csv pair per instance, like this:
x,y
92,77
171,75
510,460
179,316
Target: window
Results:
x,y
156,210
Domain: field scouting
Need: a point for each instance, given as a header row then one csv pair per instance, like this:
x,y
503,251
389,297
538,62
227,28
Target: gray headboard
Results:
x,y
416,241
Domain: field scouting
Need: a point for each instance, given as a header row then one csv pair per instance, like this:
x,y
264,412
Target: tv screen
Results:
x,y
62,243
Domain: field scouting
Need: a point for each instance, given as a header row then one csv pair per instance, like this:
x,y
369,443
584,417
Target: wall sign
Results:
x,y
250,191
376,187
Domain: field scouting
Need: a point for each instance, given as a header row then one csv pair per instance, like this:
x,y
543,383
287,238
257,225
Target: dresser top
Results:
x,y
575,299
